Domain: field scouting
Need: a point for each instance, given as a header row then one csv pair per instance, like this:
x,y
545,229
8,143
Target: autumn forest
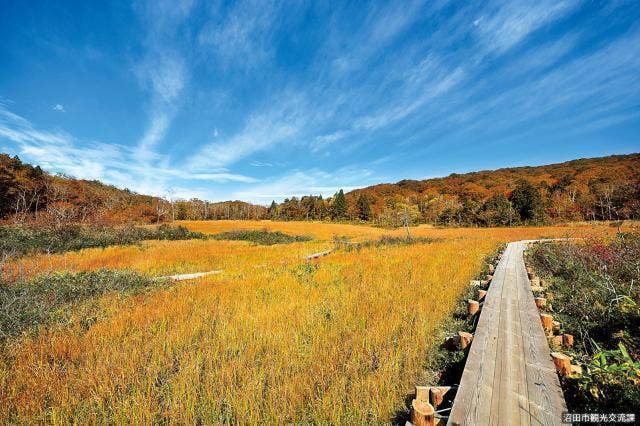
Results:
x,y
606,188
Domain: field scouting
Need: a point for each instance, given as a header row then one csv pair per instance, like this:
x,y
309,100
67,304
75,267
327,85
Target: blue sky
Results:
x,y
260,100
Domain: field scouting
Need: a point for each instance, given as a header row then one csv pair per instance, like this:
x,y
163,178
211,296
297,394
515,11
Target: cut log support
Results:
x,y
484,283
576,370
482,294
555,341
547,323
464,339
567,340
422,413
556,326
541,302
489,277
492,269
562,363
433,395
458,342
436,397
422,393
473,306
529,270
475,283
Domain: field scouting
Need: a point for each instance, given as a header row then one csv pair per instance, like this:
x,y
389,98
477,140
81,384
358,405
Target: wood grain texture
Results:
x,y
509,377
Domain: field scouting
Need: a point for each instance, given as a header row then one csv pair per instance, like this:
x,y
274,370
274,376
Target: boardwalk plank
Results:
x,y
509,376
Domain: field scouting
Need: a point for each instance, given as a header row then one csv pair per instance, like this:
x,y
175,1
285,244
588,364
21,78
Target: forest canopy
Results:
x,y
606,188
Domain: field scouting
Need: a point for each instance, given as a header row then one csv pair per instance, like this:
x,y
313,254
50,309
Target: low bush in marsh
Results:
x,y
24,306
261,237
596,296
384,240
17,241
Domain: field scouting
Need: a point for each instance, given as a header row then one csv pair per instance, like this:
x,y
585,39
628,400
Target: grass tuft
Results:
x,y
261,237
18,241
50,298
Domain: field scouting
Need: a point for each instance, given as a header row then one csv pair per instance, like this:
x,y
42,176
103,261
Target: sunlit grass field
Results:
x,y
272,339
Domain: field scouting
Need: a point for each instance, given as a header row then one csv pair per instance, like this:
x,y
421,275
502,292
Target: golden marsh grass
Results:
x,y
270,340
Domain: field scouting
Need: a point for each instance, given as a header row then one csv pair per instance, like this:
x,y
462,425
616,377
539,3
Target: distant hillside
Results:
x,y
606,188
28,194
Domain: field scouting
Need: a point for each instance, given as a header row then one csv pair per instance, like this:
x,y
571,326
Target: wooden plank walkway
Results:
x,y
509,377
193,276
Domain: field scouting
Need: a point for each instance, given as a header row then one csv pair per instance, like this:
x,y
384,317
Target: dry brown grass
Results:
x,y
271,340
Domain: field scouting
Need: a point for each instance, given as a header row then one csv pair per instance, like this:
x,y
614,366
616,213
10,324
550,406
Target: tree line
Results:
x,y
605,188
30,195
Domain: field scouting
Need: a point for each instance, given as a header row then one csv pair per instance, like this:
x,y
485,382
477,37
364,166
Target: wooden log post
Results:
x,y
567,340
529,270
547,323
473,306
562,363
541,302
576,370
422,393
556,341
556,326
484,283
489,277
464,339
436,397
475,283
492,269
482,294
422,413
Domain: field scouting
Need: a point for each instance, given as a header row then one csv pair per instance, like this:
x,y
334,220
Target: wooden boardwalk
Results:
x,y
509,377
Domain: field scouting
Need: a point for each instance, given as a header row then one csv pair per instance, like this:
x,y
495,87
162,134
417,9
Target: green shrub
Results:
x,y
261,237
17,241
385,240
24,306
596,297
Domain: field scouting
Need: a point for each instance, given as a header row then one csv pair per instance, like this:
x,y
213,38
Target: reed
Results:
x,y
272,339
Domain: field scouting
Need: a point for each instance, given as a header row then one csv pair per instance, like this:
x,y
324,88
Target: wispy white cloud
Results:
x,y
510,22
119,165
599,88
242,35
261,164
59,108
410,103
163,70
264,129
324,141
212,177
379,29
308,182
